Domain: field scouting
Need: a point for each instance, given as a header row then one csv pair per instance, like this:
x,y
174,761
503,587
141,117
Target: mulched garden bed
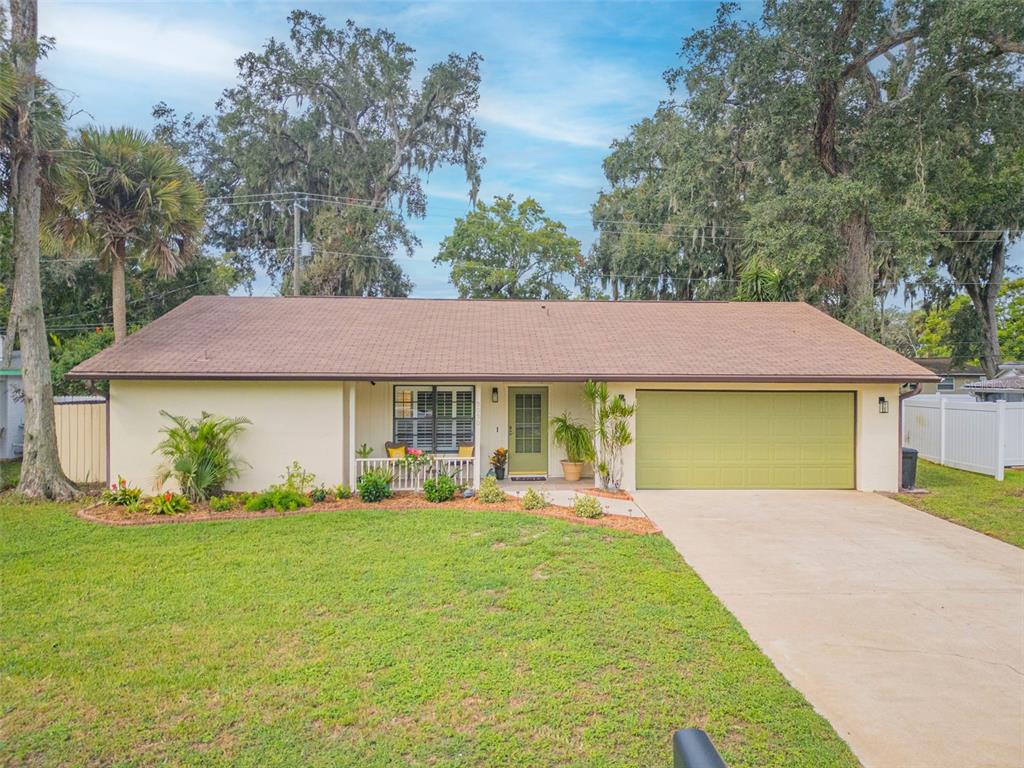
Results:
x,y
114,515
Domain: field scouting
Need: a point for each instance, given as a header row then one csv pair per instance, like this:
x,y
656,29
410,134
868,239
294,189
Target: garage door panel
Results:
x,y
745,439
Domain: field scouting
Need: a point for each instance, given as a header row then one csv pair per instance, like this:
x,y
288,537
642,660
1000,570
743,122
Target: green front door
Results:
x,y
744,439
527,431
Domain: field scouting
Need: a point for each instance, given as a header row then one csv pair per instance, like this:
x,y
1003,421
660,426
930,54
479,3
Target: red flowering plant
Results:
x,y
168,503
120,494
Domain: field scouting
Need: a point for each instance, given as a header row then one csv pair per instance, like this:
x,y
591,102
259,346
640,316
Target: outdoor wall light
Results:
x,y
883,405
494,394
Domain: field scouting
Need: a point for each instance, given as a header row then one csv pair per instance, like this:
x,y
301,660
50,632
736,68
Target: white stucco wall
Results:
x,y
877,434
291,421
306,422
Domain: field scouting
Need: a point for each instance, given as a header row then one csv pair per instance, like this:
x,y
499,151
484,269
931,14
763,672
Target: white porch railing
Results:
x,y
406,478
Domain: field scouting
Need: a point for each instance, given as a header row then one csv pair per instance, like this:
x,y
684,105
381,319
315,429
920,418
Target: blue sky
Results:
x,y
560,81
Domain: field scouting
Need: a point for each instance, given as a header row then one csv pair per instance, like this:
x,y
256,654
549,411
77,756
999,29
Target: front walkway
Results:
x,y
905,631
561,491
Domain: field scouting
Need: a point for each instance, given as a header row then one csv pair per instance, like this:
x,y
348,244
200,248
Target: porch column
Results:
x,y
352,434
478,459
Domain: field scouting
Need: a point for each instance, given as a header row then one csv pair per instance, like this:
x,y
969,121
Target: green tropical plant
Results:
x,y
343,492
375,485
197,453
499,458
587,506
612,417
534,499
168,503
121,196
120,494
297,478
364,451
490,492
318,494
280,498
575,437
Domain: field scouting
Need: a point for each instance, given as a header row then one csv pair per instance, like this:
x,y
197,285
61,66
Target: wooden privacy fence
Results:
x,y
82,437
963,433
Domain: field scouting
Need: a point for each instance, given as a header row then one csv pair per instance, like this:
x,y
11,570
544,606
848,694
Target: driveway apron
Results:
x,y
904,630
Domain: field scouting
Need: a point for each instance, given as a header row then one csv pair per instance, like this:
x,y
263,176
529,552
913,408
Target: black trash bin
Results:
x,y
909,467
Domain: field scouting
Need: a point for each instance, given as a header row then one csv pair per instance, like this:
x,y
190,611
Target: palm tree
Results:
x,y
123,195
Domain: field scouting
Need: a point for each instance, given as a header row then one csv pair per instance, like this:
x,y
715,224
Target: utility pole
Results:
x,y
297,249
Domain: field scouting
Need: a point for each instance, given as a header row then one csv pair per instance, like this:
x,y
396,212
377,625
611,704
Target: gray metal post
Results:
x,y
691,748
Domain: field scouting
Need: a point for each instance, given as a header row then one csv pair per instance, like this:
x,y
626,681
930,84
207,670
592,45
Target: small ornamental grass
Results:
x,y
534,499
490,492
587,506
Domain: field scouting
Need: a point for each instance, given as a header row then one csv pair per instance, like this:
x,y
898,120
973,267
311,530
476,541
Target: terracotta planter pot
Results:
x,y
572,470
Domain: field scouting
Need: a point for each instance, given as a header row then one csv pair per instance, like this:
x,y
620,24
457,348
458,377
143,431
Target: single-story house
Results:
x,y
952,379
728,394
1008,385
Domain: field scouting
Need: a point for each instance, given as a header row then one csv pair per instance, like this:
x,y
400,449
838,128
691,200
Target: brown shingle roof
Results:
x,y
433,339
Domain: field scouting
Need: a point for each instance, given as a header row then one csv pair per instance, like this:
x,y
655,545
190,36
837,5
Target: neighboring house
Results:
x,y
12,409
728,394
1008,385
951,379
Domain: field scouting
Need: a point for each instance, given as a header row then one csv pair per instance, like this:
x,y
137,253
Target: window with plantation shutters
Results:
x,y
433,418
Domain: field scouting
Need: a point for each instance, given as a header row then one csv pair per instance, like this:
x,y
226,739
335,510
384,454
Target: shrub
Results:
x,y
587,506
490,492
374,485
297,478
318,494
440,489
534,500
197,453
280,498
229,501
343,492
168,504
121,494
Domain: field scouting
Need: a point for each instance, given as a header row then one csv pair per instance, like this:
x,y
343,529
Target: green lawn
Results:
x,y
976,501
375,639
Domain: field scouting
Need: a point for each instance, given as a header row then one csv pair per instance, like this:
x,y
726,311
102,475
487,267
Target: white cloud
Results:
x,y
541,119
111,38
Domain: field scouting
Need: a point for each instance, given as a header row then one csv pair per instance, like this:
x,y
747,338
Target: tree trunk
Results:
x,y
983,297
858,270
117,291
41,475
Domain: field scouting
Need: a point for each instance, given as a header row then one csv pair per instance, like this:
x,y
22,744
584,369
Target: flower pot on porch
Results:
x,y
499,473
572,470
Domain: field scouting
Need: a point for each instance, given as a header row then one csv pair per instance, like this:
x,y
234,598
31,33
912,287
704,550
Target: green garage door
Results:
x,y
744,439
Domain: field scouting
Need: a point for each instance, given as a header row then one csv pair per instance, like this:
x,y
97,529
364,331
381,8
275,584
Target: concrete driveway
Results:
x,y
905,631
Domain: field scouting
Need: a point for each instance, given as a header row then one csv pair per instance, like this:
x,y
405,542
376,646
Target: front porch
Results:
x,y
439,419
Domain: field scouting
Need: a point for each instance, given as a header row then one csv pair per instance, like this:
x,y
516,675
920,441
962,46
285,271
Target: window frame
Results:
x,y
946,384
434,388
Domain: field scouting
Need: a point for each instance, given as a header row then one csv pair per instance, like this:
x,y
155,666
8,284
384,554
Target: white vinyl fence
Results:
x,y
963,433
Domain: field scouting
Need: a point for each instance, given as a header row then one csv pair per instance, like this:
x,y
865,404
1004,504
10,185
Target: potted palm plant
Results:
x,y
578,442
